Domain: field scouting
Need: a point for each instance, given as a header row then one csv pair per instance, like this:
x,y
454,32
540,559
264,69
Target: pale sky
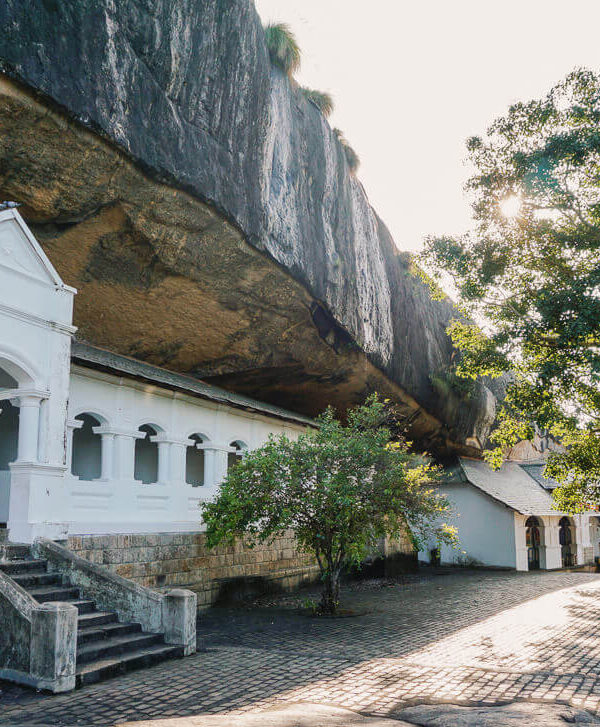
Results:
x,y
413,80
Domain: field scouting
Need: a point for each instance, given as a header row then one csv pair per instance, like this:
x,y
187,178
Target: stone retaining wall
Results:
x,y
163,560
166,560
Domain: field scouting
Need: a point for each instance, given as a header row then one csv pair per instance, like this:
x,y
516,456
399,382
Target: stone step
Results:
x,y
43,594
15,551
117,646
93,619
105,647
83,606
89,634
95,671
16,567
34,580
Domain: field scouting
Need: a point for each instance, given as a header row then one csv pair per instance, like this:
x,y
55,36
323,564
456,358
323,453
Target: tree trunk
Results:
x,y
331,592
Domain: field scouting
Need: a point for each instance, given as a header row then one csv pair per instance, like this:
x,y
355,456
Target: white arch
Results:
x,y
93,412
146,422
21,369
205,438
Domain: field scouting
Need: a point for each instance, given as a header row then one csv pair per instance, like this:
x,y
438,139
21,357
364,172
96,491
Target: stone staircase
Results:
x,y
105,647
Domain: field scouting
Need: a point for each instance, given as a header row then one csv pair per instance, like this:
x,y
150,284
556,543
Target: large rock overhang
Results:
x,y
215,230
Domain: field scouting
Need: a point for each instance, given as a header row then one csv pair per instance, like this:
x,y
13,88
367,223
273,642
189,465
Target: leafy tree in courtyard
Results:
x,y
529,273
340,488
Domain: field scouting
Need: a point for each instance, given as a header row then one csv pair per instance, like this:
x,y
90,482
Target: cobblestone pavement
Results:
x,y
463,637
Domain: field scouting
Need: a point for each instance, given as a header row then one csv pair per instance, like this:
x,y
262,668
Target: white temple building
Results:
x,y
92,442
506,519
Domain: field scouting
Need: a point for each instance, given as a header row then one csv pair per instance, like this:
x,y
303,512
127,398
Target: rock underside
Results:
x,y
205,213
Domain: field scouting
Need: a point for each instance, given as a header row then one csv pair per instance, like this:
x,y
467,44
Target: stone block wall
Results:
x,y
167,560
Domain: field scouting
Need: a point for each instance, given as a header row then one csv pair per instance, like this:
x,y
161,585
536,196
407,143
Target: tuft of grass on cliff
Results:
x,y
283,47
323,101
352,158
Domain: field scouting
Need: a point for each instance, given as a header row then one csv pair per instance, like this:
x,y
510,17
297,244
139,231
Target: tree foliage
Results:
x,y
340,488
529,274
322,100
283,47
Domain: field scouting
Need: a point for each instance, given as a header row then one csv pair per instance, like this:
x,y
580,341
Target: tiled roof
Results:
x,y
536,470
511,485
98,358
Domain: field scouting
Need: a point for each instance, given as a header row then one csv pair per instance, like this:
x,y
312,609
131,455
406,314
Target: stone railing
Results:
x,y
37,641
172,613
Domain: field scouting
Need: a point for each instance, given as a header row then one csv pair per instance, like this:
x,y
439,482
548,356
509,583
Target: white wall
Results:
x,y
117,502
485,528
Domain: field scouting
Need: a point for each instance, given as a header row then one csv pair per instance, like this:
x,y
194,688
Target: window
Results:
x,y
146,456
234,457
194,462
86,462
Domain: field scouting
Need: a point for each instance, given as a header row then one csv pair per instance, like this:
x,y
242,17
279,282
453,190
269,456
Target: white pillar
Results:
x,y
551,540
107,465
215,465
29,427
521,562
209,466
72,425
124,454
163,460
584,552
177,459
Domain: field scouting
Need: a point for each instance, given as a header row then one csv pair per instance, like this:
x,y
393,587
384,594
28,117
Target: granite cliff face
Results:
x,y
205,211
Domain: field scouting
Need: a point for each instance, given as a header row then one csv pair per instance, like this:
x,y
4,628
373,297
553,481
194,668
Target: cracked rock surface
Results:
x,y
518,714
442,715
205,212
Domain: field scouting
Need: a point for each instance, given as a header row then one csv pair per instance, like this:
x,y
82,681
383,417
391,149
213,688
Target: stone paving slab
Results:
x,y
471,638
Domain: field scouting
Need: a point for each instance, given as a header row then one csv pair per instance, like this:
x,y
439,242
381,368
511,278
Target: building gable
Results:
x,y
21,253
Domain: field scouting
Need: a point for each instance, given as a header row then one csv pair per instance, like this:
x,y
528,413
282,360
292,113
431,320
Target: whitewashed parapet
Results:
x,y
172,613
38,642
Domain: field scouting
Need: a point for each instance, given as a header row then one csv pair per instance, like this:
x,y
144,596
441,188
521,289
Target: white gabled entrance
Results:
x,y
35,338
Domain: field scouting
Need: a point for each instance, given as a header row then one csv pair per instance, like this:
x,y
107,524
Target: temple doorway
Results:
x,y
566,537
533,541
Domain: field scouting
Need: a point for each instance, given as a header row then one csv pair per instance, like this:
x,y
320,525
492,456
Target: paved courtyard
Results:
x,y
462,637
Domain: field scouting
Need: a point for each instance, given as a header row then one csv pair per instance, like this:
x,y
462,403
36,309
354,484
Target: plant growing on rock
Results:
x,y
323,101
352,158
340,488
283,47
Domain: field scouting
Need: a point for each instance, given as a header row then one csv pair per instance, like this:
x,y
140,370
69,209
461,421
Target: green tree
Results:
x,y
339,488
529,275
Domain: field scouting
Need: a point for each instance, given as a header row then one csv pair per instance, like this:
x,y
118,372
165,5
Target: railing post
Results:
x,y
179,619
53,646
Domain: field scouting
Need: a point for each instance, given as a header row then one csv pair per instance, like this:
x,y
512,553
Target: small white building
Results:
x,y
505,518
92,442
